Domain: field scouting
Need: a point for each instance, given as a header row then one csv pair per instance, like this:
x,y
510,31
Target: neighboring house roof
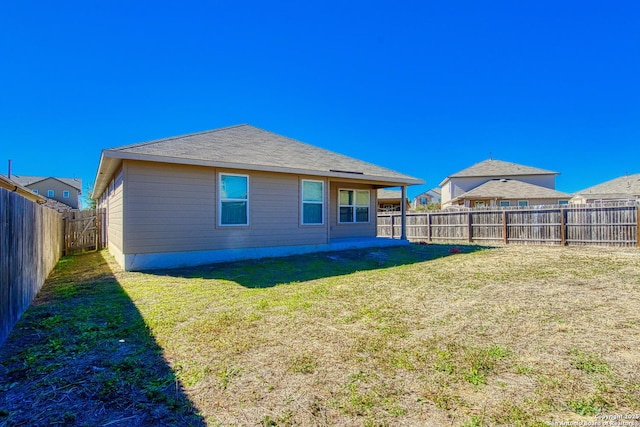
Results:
x,y
498,168
30,180
250,148
11,185
624,187
384,194
434,191
512,189
59,206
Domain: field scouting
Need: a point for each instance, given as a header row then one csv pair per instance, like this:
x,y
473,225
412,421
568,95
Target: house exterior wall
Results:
x,y
338,230
59,188
512,202
112,202
174,208
455,187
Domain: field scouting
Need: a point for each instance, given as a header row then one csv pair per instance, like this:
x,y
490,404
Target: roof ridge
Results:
x,y
155,141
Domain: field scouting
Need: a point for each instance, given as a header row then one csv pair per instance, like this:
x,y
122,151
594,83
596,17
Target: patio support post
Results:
x,y
403,212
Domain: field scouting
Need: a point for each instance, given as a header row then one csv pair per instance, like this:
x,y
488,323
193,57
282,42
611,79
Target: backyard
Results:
x,y
418,335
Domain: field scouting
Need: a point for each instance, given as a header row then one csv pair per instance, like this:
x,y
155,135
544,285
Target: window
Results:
x,y
353,206
523,203
65,194
563,202
423,200
35,190
51,193
312,202
505,203
234,199
479,204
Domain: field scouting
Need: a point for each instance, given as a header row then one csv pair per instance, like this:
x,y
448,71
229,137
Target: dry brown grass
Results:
x,y
416,336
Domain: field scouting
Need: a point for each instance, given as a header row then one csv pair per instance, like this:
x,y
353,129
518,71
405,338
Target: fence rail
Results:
x,y
615,225
83,230
31,241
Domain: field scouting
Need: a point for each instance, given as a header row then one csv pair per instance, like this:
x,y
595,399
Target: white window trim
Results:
x,y
505,203
302,203
66,194
355,206
220,200
523,201
51,193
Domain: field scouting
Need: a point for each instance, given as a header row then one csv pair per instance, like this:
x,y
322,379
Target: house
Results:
x,y
619,189
498,183
28,194
63,190
426,198
236,193
390,200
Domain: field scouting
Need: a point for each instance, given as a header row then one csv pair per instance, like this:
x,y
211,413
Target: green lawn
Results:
x,y
420,335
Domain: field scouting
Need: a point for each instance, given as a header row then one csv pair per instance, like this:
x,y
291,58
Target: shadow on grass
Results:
x,y
82,355
265,273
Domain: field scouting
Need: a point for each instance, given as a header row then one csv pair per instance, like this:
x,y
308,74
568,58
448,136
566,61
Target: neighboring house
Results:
x,y
619,189
12,185
429,197
390,200
498,183
63,190
236,193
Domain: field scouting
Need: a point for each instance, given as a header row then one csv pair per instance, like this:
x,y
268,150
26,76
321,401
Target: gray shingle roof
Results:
x,y
512,189
627,186
25,180
251,148
498,168
384,194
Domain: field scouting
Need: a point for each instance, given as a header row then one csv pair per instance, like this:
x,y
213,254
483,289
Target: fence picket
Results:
x,y
616,224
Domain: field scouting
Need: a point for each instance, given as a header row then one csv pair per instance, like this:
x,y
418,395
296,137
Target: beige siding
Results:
x,y
352,230
173,208
114,212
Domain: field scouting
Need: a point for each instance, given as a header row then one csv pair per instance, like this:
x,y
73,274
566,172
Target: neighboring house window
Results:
x,y
65,194
479,204
505,203
234,199
51,193
312,202
563,202
423,200
353,206
35,190
523,203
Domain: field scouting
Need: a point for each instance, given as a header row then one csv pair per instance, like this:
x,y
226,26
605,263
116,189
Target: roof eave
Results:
x,y
110,160
23,191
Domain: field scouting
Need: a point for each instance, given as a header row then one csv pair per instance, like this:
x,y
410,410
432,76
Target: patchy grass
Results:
x,y
405,336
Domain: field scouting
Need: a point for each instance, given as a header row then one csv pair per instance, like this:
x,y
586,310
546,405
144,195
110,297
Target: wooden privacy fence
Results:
x,y
617,225
83,230
31,242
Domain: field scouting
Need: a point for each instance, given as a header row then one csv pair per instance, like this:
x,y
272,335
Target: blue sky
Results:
x,y
426,88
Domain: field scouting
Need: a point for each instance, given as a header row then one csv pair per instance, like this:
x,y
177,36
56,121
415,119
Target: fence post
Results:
x,y
505,227
65,236
563,227
638,225
393,217
470,227
429,227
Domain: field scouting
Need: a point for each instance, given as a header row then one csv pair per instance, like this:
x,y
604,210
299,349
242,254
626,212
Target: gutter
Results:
x,y
23,191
